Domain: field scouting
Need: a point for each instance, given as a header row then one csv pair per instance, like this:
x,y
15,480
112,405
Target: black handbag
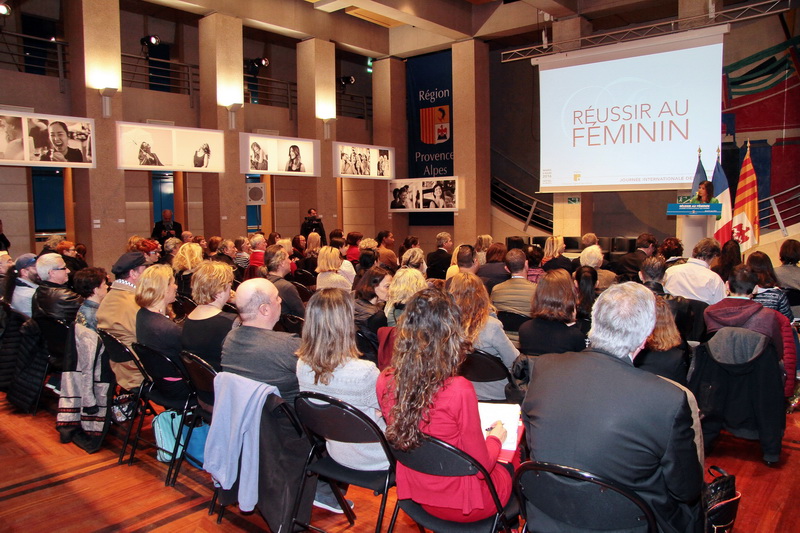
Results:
x,y
722,501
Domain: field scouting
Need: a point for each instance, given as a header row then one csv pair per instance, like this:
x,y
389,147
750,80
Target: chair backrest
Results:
x,y
511,321
182,306
580,499
304,292
55,333
304,277
162,371
481,367
201,375
117,351
328,418
290,324
793,295
438,458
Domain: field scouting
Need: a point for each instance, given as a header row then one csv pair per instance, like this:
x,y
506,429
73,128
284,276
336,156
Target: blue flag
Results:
x,y
699,176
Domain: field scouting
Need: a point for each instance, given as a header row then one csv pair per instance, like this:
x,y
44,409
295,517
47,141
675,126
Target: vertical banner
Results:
x,y
430,127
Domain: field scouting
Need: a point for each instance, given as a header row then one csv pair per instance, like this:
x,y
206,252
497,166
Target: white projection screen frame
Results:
x,y
631,116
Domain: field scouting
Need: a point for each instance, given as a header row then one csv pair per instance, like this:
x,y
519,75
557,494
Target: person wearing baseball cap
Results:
x,y
21,284
117,313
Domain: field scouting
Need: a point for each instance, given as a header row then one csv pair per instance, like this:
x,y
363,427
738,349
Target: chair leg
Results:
x,y
139,409
382,510
136,438
221,512
177,451
394,517
182,454
348,512
213,501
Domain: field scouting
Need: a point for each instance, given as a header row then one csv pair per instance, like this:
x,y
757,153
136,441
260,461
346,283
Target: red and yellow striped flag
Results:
x,y
745,209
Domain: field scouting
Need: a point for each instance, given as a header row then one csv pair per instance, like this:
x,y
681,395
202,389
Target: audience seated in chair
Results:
x,y
644,424
277,265
420,395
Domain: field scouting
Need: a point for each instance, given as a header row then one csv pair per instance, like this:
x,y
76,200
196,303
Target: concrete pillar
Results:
x,y
93,31
471,146
571,217
316,100
390,128
222,84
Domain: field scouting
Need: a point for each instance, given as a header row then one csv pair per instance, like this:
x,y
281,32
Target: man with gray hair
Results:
x,y
53,299
439,260
594,411
277,265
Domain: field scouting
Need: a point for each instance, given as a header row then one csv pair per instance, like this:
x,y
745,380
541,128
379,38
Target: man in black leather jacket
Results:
x,y
53,298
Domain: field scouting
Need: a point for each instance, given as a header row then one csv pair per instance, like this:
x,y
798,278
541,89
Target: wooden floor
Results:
x,y
48,486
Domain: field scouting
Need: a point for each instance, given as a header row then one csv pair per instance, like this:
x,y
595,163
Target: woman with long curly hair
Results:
x,y
482,330
421,394
329,363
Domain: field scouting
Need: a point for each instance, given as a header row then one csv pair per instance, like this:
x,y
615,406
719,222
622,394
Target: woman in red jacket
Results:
x,y
421,394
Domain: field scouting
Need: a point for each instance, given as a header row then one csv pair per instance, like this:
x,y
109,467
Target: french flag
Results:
x,y
723,227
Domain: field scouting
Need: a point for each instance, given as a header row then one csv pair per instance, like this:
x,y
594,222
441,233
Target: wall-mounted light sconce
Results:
x,y
5,9
326,128
105,94
232,109
347,80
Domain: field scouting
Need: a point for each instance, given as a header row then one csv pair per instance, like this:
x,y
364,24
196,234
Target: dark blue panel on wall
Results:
x,y
163,194
429,82
48,200
253,211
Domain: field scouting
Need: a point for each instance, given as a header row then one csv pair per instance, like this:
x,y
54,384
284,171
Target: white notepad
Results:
x,y
508,413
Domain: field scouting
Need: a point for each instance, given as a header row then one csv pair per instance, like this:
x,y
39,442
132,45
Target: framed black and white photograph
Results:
x,y
268,154
29,139
363,161
423,194
151,147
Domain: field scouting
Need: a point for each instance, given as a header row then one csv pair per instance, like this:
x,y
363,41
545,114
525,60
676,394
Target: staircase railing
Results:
x,y
780,210
533,211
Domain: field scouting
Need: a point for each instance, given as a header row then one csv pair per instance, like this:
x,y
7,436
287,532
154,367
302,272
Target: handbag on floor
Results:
x,y
165,428
722,501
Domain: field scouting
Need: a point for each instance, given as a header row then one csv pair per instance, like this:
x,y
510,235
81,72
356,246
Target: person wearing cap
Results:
x,y
53,299
21,284
117,313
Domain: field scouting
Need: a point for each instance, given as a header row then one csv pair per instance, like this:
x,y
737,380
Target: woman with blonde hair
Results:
x,y
313,245
481,329
207,325
481,245
188,258
155,290
406,283
553,248
328,363
329,262
665,353
422,394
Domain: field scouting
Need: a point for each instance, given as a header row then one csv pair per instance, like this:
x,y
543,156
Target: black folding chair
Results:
x,y
168,387
304,292
438,458
201,376
118,352
579,500
511,321
304,277
182,306
290,324
326,418
481,367
55,333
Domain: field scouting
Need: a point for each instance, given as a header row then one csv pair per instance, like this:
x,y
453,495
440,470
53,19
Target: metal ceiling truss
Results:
x,y
749,12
